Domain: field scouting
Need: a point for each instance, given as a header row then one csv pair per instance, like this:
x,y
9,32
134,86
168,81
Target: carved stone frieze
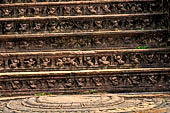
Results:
x,y
103,81
81,9
77,45
150,40
85,60
111,23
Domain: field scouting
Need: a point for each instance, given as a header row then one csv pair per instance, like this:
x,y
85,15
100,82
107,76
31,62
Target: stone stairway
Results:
x,y
70,46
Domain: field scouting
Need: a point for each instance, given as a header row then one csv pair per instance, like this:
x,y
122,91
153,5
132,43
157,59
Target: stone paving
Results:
x,y
88,103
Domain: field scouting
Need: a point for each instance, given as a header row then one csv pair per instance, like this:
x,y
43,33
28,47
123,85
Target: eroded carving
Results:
x,y
30,63
14,63
104,62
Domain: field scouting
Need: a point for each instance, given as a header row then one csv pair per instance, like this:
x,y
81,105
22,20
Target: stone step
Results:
x,y
109,80
84,24
131,39
84,60
80,8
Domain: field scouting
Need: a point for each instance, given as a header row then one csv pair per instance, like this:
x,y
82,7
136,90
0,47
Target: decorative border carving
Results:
x,y
150,40
62,25
81,9
84,60
129,80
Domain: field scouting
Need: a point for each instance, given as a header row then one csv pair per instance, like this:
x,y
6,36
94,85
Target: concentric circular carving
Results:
x,y
96,103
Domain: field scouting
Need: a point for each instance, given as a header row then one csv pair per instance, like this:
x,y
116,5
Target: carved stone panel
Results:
x,y
77,45
71,60
115,81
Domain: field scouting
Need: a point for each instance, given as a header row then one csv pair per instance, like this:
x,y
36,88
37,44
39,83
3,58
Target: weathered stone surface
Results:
x,y
78,45
112,80
85,60
89,103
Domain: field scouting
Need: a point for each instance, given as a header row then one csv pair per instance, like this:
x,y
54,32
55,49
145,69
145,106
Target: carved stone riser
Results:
x,y
113,81
149,40
82,60
83,24
80,8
